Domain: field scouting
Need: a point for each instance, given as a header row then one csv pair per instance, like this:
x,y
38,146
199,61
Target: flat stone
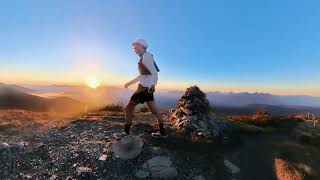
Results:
x,y
105,150
128,148
157,163
156,150
199,177
142,174
22,144
4,145
103,157
83,169
182,123
168,173
233,168
203,125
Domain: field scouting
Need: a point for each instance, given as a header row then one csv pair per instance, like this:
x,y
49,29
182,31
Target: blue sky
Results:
x,y
249,45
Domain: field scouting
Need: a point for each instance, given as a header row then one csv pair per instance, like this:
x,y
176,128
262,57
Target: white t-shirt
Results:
x,y
147,80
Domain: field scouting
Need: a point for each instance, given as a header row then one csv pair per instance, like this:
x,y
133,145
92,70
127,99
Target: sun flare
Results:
x,y
93,82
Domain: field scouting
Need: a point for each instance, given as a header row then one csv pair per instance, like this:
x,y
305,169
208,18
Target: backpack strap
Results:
x,y
143,70
156,66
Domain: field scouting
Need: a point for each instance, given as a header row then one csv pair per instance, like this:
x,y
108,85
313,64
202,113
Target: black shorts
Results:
x,y
142,97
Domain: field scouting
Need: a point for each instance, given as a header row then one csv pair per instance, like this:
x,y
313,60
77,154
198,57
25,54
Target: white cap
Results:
x,y
142,42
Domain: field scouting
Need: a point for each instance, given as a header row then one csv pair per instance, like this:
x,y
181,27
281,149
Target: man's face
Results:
x,y
138,48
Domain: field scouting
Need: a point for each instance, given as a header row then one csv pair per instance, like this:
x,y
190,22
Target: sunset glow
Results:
x,y
93,82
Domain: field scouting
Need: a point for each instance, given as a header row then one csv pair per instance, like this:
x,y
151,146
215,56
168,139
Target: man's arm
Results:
x,y
133,81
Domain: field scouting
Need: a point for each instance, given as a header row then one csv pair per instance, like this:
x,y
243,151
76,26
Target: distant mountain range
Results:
x,y
245,99
15,88
16,97
238,103
271,109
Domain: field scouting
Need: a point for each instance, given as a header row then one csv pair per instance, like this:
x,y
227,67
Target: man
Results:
x,y
147,78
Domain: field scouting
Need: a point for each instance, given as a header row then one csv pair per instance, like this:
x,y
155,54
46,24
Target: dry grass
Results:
x,y
307,169
114,108
268,121
285,171
15,120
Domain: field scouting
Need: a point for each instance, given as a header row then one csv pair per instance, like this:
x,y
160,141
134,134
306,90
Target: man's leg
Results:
x,y
153,108
129,115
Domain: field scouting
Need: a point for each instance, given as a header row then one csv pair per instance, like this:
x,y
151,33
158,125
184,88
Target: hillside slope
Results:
x,y
81,150
11,98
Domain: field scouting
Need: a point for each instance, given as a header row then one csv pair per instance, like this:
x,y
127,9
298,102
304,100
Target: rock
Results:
x,y
157,163
160,167
142,174
4,145
203,125
233,168
103,157
199,177
128,148
83,169
182,123
204,133
22,144
168,173
105,150
156,150
53,177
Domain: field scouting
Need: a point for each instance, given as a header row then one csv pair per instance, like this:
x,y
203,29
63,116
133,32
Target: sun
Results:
x,y
93,82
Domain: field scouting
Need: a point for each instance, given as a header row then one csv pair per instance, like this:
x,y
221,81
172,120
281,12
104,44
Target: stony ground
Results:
x,y
73,151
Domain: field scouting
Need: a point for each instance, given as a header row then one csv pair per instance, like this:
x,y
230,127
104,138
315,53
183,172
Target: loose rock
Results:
x,y
199,177
233,168
142,174
160,167
168,173
103,157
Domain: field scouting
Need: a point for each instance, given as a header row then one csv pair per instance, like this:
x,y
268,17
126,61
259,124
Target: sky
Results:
x,y
250,45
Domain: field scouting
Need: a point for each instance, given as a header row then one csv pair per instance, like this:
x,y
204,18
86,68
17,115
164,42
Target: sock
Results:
x,y
161,129
127,128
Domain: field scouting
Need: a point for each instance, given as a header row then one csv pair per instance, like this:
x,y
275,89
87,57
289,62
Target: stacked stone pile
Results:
x,y
193,112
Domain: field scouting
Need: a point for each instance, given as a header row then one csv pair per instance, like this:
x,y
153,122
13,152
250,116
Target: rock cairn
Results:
x,y
193,112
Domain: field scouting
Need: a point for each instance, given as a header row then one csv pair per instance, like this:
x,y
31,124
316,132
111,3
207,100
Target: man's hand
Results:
x,y
126,85
152,89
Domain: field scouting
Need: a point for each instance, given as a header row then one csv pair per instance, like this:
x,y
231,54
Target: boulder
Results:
x,y
142,174
157,163
233,168
168,173
158,167
128,148
199,177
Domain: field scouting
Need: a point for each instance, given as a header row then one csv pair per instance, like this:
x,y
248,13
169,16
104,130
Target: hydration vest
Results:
x,y
143,70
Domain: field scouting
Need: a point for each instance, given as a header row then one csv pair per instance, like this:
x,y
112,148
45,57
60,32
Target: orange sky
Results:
x,y
45,78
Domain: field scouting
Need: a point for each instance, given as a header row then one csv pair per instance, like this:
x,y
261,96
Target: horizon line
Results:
x,y
160,88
